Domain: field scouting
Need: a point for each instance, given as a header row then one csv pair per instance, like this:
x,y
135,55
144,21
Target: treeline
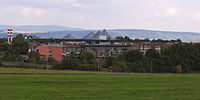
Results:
x,y
127,39
182,57
179,58
12,52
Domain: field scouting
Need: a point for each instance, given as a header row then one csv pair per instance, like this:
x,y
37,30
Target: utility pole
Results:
x,y
151,67
47,63
98,64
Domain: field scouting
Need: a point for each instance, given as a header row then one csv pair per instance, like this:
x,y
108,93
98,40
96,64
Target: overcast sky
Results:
x,y
178,15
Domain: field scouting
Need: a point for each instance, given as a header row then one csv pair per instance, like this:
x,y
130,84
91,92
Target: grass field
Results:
x,y
22,70
100,87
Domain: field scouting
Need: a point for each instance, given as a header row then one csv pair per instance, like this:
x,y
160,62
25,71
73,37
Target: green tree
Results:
x,y
87,58
9,54
70,63
34,57
109,61
120,66
52,61
152,53
20,46
138,66
132,56
0,63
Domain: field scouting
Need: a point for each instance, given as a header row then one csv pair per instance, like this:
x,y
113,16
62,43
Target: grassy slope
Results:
x,y
100,87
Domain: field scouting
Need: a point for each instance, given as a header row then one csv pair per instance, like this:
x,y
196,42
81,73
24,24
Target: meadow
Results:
x,y
98,87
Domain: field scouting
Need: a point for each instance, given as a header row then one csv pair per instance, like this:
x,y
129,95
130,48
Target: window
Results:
x,y
50,52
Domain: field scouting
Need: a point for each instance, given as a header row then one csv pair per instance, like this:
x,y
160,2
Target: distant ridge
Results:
x,y
69,36
55,31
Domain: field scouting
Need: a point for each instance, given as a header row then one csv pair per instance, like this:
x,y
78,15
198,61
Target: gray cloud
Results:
x,y
180,15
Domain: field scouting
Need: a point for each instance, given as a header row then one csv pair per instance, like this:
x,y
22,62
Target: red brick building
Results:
x,y
55,51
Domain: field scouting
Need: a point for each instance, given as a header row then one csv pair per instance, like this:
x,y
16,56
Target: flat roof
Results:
x,y
66,40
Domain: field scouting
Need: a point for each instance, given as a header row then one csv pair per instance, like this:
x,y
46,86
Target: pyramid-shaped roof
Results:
x,y
69,36
99,34
89,35
104,32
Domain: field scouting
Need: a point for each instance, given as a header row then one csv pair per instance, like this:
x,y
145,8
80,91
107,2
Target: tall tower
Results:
x,y
10,35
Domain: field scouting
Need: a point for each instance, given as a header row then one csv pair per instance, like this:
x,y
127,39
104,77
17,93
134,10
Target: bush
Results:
x,y
0,63
178,69
52,61
87,58
57,66
119,66
33,61
9,57
89,67
34,57
70,63
109,61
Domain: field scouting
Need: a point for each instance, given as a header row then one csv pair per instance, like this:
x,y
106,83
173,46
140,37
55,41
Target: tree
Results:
x,y
20,46
152,53
154,59
9,54
135,61
70,63
0,63
109,61
34,57
120,66
138,66
87,58
132,56
52,61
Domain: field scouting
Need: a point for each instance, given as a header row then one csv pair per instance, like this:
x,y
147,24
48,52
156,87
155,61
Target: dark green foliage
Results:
x,y
8,54
133,61
132,56
70,62
120,66
52,61
34,57
20,46
13,51
87,67
127,39
87,58
57,66
187,55
109,61
151,53
88,61
3,45
0,63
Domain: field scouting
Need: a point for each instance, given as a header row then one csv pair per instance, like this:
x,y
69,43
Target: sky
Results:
x,y
172,15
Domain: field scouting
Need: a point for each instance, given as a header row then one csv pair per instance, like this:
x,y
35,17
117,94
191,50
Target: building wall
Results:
x,y
143,47
106,51
57,52
99,48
